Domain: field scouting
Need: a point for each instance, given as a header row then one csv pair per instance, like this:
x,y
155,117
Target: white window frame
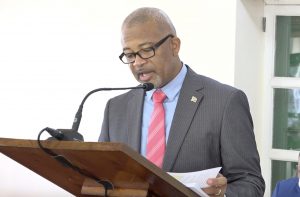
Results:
x,y
271,82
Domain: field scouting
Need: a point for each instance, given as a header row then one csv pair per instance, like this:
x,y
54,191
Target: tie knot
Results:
x,y
159,96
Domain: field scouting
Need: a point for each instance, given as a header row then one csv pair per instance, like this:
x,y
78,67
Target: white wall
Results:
x,y
249,56
249,64
52,52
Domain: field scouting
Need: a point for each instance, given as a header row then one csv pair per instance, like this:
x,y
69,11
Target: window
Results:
x,y
282,93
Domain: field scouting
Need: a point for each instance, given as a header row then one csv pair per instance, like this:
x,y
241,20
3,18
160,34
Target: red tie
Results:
x,y
156,142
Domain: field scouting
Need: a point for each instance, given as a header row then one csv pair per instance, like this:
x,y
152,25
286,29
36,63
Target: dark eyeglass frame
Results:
x,y
155,46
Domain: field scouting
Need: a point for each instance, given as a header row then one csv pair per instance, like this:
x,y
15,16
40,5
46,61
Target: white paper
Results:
x,y
196,180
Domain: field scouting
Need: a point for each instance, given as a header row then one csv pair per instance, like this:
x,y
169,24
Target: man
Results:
x,y
289,187
205,123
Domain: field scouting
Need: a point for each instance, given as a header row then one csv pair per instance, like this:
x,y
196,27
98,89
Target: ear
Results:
x,y
175,44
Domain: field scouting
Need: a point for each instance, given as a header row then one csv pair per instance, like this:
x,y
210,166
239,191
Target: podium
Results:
x,y
129,172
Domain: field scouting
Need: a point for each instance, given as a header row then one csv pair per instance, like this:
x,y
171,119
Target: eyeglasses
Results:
x,y
128,58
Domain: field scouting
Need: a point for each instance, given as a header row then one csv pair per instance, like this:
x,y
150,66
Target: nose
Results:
x,y
139,61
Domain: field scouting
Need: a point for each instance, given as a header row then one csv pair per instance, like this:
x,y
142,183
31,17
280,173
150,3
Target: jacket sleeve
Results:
x,y
104,135
240,159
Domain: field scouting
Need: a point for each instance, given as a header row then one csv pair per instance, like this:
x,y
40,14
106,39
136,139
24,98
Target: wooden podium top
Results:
x,y
114,162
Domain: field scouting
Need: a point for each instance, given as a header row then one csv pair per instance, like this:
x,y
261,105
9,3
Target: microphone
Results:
x,y
148,86
77,118
72,134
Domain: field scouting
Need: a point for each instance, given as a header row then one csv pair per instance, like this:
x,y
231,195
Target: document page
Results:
x,y
196,180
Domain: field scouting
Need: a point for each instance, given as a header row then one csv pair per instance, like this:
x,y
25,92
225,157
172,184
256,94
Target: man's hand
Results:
x,y
217,186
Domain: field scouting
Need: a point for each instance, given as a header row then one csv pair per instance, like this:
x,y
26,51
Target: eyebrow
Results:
x,y
140,45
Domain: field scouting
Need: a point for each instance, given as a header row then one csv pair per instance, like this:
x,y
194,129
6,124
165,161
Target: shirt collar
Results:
x,y
172,88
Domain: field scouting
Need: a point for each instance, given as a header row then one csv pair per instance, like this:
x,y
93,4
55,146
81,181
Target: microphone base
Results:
x,y
69,135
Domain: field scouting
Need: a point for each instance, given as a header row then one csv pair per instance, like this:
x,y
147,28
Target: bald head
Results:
x,y
152,15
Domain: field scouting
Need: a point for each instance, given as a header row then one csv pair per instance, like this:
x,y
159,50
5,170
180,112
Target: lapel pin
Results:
x,y
194,99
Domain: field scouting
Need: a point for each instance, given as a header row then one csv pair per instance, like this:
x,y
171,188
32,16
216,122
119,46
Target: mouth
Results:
x,y
144,76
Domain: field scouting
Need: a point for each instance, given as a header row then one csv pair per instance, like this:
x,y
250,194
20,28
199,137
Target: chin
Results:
x,y
154,84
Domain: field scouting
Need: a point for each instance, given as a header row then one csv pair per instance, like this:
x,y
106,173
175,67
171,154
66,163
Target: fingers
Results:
x,y
217,186
219,181
214,191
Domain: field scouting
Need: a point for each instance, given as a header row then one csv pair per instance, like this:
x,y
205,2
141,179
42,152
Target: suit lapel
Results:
x,y
135,108
188,102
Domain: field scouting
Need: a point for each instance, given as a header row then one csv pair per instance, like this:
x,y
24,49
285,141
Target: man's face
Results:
x,y
161,68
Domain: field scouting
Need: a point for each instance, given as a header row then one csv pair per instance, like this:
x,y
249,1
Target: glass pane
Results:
x,y
287,56
286,120
282,170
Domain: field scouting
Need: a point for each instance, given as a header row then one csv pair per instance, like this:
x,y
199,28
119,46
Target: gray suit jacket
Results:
x,y
215,130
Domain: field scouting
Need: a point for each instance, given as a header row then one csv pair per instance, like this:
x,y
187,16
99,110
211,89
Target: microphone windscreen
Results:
x,y
148,86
